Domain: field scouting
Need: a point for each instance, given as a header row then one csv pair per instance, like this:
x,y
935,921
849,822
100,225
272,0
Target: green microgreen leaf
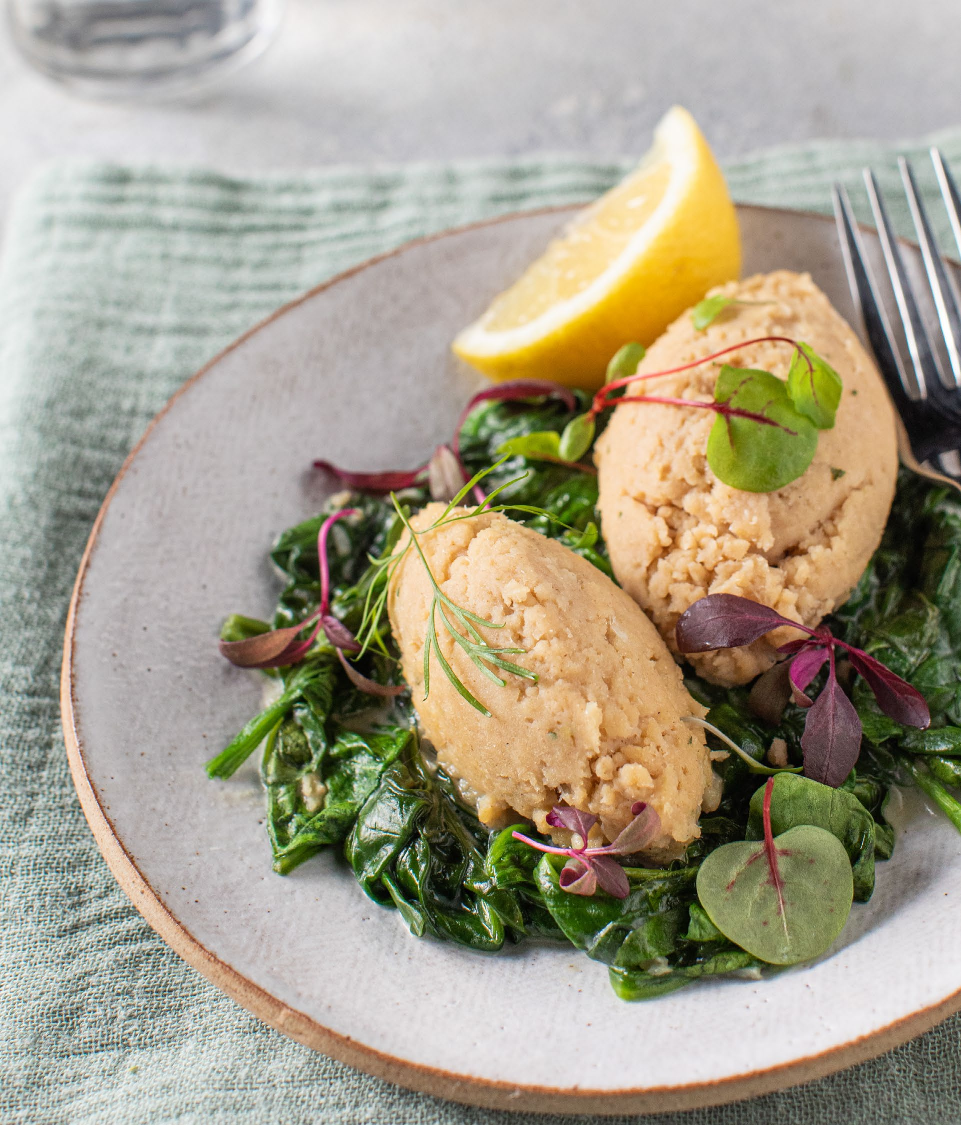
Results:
x,y
707,311
539,444
814,387
625,362
759,442
578,437
784,899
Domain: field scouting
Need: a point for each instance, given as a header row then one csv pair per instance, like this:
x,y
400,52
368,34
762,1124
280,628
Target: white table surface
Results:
x,y
375,80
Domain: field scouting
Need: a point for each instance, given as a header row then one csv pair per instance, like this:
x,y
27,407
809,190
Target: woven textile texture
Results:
x,y
115,285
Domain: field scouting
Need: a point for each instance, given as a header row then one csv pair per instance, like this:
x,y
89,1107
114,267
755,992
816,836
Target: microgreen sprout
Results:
x,y
783,898
707,311
588,868
832,730
752,763
280,648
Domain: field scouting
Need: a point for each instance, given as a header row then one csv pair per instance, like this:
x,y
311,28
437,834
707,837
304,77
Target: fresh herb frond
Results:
x,y
470,485
484,656
458,684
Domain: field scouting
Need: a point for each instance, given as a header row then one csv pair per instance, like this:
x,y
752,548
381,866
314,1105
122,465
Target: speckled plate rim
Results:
x,y
297,1025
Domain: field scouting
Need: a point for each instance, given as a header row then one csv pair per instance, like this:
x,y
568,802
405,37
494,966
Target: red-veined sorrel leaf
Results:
x,y
577,878
783,899
725,621
574,820
759,442
389,481
832,734
814,387
639,833
803,668
363,683
445,474
896,698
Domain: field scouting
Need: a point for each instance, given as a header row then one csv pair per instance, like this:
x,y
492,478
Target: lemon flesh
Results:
x,y
624,269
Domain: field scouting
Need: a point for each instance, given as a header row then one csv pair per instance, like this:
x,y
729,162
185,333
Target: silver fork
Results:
x,y
926,384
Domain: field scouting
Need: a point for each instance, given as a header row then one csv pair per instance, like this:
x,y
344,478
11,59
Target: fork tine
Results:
x,y
949,193
944,300
866,298
926,368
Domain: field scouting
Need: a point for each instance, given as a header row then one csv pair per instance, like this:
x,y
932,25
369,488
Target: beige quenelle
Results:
x,y
675,532
601,728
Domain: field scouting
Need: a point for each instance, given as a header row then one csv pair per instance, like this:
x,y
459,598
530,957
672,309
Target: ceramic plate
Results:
x,y
359,372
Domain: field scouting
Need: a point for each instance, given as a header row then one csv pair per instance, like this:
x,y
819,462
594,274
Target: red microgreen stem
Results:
x,y
769,848
322,554
722,408
601,398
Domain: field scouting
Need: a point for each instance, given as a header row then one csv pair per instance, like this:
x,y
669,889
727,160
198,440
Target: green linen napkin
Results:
x,y
115,285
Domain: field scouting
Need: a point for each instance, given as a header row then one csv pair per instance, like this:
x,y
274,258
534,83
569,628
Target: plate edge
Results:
x,y
469,1090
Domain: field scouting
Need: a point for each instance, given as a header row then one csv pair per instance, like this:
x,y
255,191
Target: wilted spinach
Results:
x,y
339,774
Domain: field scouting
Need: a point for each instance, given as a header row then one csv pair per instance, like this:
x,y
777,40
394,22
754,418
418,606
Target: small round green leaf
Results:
x,y
707,311
761,442
783,913
814,387
625,362
540,443
577,438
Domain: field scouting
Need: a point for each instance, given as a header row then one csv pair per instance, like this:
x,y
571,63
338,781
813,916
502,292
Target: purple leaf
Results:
x,y
771,693
512,391
275,649
445,474
896,698
642,829
373,482
832,734
610,875
804,667
725,621
793,647
577,878
338,634
562,816
362,683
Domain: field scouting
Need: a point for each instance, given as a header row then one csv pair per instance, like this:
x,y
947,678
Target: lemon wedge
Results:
x,y
624,269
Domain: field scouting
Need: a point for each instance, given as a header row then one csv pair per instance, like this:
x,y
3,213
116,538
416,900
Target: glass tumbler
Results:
x,y
141,48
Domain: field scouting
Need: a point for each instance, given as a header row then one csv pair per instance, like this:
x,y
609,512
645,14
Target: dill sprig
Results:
x,y
486,657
